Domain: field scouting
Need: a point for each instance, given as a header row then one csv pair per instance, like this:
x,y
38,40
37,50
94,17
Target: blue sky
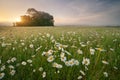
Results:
x,y
66,12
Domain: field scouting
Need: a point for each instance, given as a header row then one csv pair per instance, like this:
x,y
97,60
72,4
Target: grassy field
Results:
x,y
59,53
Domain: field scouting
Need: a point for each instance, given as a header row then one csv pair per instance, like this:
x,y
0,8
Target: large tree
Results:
x,y
36,18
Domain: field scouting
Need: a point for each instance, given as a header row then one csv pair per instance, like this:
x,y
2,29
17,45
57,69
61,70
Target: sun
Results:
x,y
18,20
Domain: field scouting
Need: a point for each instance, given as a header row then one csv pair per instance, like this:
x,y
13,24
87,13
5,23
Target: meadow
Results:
x,y
59,53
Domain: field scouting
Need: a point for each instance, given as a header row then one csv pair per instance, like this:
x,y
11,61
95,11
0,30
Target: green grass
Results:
x,y
23,43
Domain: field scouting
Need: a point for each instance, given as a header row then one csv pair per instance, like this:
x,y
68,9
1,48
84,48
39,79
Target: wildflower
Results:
x,y
40,69
82,72
8,61
92,51
71,62
50,52
2,75
34,70
83,45
79,51
3,45
31,64
66,63
13,59
31,45
3,68
44,74
48,35
79,77
105,62
56,65
105,74
100,49
63,59
62,54
12,72
22,44
13,48
11,66
50,58
86,61
47,53
76,62
24,63
58,71
29,61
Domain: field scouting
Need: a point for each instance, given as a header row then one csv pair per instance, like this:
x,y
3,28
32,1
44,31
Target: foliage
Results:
x,y
36,18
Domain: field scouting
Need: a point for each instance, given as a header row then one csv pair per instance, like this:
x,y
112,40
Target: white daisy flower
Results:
x,y
34,70
3,68
12,72
8,61
13,59
24,63
105,74
40,69
50,58
79,77
2,75
56,65
92,51
11,66
86,61
79,51
63,59
31,45
44,74
22,44
29,61
3,45
76,62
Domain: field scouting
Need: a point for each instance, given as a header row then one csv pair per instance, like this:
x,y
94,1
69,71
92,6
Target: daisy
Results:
x,y
24,63
86,61
92,51
79,77
40,69
31,45
105,74
12,72
13,59
50,58
3,68
44,74
79,51
2,75
29,61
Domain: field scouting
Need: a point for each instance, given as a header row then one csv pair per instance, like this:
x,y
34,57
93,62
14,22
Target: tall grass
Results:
x,y
60,53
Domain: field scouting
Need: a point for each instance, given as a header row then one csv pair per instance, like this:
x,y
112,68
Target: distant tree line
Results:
x,y
36,18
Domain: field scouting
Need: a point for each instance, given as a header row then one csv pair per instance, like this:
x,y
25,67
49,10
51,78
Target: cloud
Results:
x,y
68,11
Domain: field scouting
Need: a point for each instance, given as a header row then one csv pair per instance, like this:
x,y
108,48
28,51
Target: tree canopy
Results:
x,y
36,18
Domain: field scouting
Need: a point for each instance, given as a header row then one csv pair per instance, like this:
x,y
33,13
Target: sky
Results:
x,y
65,12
